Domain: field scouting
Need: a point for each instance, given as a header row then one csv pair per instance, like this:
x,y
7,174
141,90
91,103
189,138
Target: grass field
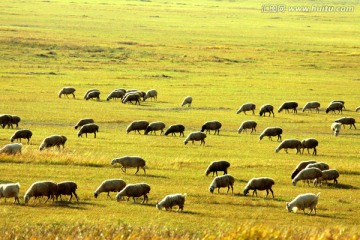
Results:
x,y
223,54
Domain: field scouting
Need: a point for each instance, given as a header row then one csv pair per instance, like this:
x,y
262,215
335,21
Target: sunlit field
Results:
x,y
223,54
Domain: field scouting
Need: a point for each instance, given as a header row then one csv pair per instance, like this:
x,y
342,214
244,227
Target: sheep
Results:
x,y
357,109
130,162
288,105
110,185
134,190
319,165
12,148
93,94
155,126
222,182
302,165
302,201
178,128
172,200
211,125
246,107
187,100
335,127
311,105
335,106
309,143
266,108
132,97
66,91
307,174
84,121
67,188
196,136
137,126
5,119
289,143
25,133
88,128
9,190
39,189
52,141
90,90
216,166
330,174
271,132
151,94
14,120
247,125
340,101
346,121
115,94
262,183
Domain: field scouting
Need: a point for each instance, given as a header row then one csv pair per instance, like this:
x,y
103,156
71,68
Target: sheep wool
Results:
x,y
44,188
84,121
250,124
173,129
9,190
196,136
130,162
187,100
335,127
24,133
289,143
67,188
172,200
262,183
302,201
271,132
110,185
222,182
216,166
211,125
246,107
300,167
311,105
307,174
12,148
134,191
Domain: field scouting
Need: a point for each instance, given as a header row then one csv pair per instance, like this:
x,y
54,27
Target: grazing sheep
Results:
x,y
40,189
271,132
9,190
132,97
66,91
151,94
134,191
178,128
137,126
187,100
246,107
12,148
267,108
288,105
111,185
302,201
211,125
155,126
5,119
262,183
88,128
302,165
115,94
357,109
247,125
222,182
289,143
308,144
335,106
307,174
67,188
216,166
130,162
52,141
327,175
14,120
25,133
346,121
93,94
340,101
311,105
84,121
172,200
319,165
88,91
196,136
335,127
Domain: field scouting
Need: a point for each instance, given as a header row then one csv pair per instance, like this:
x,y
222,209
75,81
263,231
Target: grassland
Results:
x,y
223,53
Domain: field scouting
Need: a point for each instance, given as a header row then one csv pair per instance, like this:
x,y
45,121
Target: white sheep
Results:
x,y
172,200
327,175
346,121
84,121
12,148
151,94
67,188
250,124
267,108
115,94
178,128
187,100
320,165
40,189
134,191
302,201
246,107
271,132
289,143
311,105
155,126
19,134
335,106
110,185
302,165
88,128
196,136
130,162
66,91
52,141
222,182
308,144
211,125
216,166
9,190
137,126
288,105
335,127
307,174
132,96
262,183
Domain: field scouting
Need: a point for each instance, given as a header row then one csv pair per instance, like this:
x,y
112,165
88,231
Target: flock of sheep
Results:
x,y
306,171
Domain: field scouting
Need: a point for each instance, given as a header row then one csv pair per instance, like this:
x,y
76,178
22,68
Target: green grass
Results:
x,y
223,54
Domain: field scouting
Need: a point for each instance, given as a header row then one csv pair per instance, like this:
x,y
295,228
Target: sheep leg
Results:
x,y
267,193
95,134
272,192
77,198
307,150
70,197
137,169
314,152
123,169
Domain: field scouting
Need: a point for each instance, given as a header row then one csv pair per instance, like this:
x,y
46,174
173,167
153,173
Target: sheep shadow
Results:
x,y
339,186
